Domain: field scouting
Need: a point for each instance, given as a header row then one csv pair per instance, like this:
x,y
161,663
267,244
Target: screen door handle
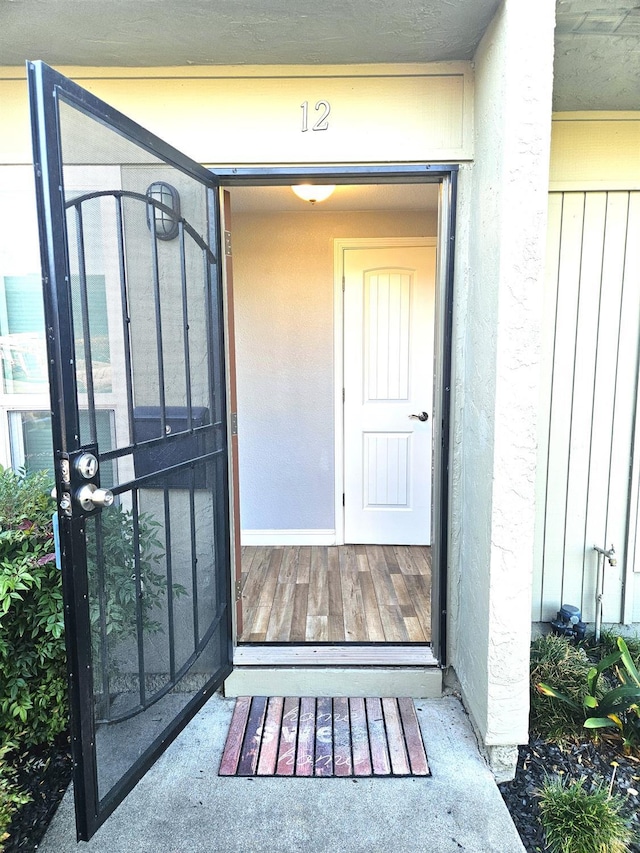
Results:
x,y
91,497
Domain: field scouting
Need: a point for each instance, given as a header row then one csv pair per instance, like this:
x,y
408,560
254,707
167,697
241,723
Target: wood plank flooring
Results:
x,y
343,593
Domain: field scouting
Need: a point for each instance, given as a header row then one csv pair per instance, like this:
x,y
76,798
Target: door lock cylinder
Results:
x,y
87,466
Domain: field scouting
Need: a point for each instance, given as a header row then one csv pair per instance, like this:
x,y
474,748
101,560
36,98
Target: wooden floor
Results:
x,y
352,593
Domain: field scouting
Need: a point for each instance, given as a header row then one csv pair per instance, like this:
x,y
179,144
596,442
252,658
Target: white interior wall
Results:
x,y
283,294
499,269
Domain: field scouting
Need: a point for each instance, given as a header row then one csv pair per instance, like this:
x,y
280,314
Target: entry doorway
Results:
x,y
172,478
306,577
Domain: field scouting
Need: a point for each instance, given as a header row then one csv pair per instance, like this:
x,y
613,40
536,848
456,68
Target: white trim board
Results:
x,y
604,185
288,537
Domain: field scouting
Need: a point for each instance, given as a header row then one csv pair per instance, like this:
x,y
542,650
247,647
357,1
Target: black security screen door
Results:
x,y
130,252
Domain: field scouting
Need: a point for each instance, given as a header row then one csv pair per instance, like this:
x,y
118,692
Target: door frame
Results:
x,y
446,176
340,245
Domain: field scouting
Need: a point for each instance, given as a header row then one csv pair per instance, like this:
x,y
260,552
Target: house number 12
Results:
x,y
322,107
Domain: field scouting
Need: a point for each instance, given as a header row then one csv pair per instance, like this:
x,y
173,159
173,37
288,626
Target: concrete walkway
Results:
x,y
182,806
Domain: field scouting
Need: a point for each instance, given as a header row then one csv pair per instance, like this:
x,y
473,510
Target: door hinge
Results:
x,y
343,499
238,590
343,395
343,284
234,423
227,243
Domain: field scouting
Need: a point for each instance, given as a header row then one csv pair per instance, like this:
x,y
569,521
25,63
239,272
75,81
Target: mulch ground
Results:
x,y
44,773
594,763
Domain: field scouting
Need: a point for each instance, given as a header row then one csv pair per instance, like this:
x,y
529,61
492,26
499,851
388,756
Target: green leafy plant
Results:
x,y
608,644
580,821
617,708
33,693
11,797
118,573
554,660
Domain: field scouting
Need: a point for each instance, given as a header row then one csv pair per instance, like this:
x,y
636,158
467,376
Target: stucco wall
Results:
x,y
284,294
498,281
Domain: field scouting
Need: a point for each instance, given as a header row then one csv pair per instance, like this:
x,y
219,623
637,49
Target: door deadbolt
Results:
x,y
87,466
90,497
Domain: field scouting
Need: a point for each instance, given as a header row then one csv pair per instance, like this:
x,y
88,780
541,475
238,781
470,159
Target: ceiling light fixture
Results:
x,y
311,193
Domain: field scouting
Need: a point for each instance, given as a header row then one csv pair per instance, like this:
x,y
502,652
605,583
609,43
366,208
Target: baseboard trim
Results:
x,y
288,537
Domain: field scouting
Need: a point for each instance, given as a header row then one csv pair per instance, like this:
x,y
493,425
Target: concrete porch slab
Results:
x,y
183,806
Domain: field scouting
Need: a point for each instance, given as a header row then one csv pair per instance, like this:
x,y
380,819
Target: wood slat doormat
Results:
x,y
324,737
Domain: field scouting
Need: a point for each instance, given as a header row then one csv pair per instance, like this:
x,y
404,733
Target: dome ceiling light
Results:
x,y
311,193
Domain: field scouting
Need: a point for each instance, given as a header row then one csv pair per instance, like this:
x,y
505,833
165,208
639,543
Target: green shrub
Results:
x,y
33,693
578,821
608,645
11,798
618,707
555,660
119,573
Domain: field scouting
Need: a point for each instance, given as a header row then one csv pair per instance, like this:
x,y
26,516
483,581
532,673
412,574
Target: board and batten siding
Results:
x,y
587,488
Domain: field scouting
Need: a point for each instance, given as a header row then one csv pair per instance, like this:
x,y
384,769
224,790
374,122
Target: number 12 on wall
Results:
x,y
322,107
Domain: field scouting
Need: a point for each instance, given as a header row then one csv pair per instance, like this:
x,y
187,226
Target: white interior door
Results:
x,y
388,378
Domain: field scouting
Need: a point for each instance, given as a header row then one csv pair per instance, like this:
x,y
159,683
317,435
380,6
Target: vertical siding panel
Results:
x,y
584,370
620,509
561,390
631,597
604,398
620,468
554,223
588,482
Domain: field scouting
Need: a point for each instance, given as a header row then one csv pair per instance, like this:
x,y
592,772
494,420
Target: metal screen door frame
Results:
x,y
47,89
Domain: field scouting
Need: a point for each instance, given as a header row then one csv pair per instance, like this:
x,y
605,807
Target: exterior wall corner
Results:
x,y
499,275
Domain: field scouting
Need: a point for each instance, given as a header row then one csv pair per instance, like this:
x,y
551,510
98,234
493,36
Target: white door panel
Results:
x,y
388,376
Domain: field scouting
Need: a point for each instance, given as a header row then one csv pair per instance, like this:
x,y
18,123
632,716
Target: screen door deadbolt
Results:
x,y
87,466
84,486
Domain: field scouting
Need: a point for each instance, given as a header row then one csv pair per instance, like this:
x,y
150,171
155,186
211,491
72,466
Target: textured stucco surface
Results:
x,y
265,32
498,279
596,58
597,55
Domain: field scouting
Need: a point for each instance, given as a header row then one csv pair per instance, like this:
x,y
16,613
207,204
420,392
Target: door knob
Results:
x,y
91,497
423,416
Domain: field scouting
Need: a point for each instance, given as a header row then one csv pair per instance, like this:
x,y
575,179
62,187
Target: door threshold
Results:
x,y
268,654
